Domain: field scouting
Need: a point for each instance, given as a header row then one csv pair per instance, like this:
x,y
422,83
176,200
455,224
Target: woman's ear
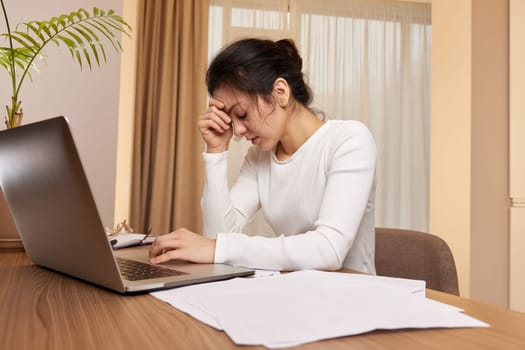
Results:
x,y
281,91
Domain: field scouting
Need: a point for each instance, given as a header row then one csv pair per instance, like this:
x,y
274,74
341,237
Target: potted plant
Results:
x,y
85,35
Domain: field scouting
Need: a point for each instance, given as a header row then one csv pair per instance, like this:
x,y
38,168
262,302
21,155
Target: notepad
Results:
x,y
125,240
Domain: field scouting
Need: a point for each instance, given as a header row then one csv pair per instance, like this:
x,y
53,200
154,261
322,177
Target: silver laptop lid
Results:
x,y
47,191
53,208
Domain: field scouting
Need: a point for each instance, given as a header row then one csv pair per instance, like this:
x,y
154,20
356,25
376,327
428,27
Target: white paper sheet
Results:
x,y
305,306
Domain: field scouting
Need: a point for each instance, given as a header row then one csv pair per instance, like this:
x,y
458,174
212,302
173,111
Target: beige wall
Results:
x,y
517,154
450,131
490,144
88,99
126,115
469,142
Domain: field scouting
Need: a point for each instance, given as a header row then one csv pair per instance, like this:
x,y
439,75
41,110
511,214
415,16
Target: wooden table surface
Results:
x,y
41,309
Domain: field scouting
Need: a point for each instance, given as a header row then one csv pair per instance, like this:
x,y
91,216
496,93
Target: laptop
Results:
x,y
53,208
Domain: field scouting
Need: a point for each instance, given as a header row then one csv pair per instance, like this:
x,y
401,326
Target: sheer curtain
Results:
x,y
367,60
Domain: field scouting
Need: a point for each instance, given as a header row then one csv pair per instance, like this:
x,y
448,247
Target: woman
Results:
x,y
313,180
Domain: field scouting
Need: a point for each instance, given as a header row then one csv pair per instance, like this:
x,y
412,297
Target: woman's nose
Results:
x,y
238,128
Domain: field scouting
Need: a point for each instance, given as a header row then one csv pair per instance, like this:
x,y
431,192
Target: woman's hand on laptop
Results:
x,y
182,244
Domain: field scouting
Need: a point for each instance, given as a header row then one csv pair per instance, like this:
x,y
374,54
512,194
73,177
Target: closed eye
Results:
x,y
243,116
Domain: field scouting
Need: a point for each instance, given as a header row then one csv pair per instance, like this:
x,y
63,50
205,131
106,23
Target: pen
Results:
x,y
146,236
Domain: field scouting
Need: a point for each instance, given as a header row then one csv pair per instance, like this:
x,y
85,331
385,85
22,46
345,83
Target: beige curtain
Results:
x,y
171,64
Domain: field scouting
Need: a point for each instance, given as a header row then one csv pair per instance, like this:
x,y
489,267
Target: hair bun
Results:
x,y
288,45
252,65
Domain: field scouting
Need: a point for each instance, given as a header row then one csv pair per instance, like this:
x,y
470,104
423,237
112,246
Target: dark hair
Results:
x,y
252,65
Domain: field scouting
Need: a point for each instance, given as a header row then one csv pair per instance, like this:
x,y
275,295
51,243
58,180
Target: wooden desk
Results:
x,y
41,309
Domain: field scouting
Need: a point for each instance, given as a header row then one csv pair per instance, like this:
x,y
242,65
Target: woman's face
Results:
x,y
260,122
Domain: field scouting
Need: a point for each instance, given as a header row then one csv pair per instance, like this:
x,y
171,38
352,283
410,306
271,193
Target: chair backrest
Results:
x,y
416,255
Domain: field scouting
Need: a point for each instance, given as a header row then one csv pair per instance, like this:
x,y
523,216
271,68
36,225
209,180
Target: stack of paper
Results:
x,y
305,306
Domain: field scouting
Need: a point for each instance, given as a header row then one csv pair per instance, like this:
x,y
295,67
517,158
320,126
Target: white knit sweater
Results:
x,y
319,202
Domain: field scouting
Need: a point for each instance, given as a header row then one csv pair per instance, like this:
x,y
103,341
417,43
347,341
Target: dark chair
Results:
x,y
416,255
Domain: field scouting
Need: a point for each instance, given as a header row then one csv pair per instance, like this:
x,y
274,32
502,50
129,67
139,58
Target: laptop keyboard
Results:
x,y
135,270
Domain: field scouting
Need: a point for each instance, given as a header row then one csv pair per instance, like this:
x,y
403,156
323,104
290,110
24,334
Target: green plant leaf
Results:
x,y
72,48
44,27
19,37
22,57
91,42
82,29
36,28
82,32
80,46
106,32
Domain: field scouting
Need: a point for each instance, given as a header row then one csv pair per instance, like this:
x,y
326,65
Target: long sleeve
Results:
x,y
219,212
320,202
